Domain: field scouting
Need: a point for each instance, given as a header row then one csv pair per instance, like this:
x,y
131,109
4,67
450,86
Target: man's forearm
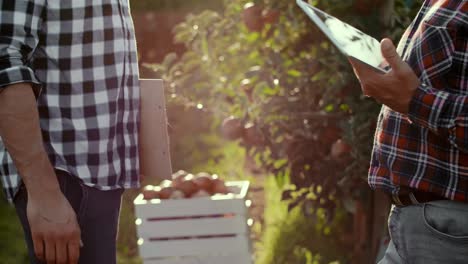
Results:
x,y
21,134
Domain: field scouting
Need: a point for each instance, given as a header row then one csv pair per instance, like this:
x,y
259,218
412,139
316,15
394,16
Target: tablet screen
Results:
x,y
349,40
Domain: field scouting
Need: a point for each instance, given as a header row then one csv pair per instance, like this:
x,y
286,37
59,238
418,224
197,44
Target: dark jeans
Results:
x,y
98,217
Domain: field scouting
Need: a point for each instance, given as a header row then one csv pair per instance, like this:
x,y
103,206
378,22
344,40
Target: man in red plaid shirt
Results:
x,y
420,154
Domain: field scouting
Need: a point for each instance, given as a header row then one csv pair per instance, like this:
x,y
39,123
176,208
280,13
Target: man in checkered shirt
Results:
x,y
69,102
420,155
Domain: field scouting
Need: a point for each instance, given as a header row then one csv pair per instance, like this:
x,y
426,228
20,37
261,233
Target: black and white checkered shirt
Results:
x,y
82,54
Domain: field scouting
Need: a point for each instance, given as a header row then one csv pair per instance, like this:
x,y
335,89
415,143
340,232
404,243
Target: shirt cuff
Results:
x,y
426,106
18,74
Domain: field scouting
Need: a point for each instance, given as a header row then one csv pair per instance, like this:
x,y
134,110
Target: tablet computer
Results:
x,y
349,40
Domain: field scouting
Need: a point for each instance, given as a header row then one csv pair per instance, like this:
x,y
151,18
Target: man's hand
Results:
x,y
54,228
394,89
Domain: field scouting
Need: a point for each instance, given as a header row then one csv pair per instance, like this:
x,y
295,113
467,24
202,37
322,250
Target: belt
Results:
x,y
410,197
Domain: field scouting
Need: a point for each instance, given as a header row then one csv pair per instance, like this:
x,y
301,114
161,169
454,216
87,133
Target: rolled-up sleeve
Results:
x,y
20,22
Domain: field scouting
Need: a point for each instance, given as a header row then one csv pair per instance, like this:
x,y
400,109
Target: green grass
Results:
x,y
12,245
292,238
127,250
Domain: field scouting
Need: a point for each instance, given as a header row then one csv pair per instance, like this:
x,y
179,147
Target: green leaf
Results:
x,y
252,37
329,108
280,163
169,60
270,91
294,73
205,47
344,107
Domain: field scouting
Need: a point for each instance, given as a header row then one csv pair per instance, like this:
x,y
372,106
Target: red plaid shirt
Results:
x,y
428,148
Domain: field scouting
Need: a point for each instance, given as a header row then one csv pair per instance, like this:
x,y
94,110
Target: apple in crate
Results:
x,y
177,194
179,177
149,193
179,173
204,182
187,187
165,183
219,186
185,184
201,193
166,192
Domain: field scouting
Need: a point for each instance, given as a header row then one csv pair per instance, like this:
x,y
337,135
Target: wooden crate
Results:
x,y
205,230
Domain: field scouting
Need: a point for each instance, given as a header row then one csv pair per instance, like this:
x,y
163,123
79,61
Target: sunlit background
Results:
x,y
255,92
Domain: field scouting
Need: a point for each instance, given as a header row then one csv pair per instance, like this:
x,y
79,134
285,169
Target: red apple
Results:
x,y
150,193
253,136
165,183
231,128
252,16
270,16
330,134
177,194
180,173
204,181
178,176
188,187
189,177
166,192
339,148
201,193
203,174
219,186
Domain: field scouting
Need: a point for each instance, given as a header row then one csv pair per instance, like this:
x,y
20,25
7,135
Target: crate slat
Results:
x,y
195,247
229,259
236,224
192,207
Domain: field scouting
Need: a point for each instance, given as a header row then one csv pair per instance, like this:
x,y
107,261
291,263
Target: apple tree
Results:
x,y
275,83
